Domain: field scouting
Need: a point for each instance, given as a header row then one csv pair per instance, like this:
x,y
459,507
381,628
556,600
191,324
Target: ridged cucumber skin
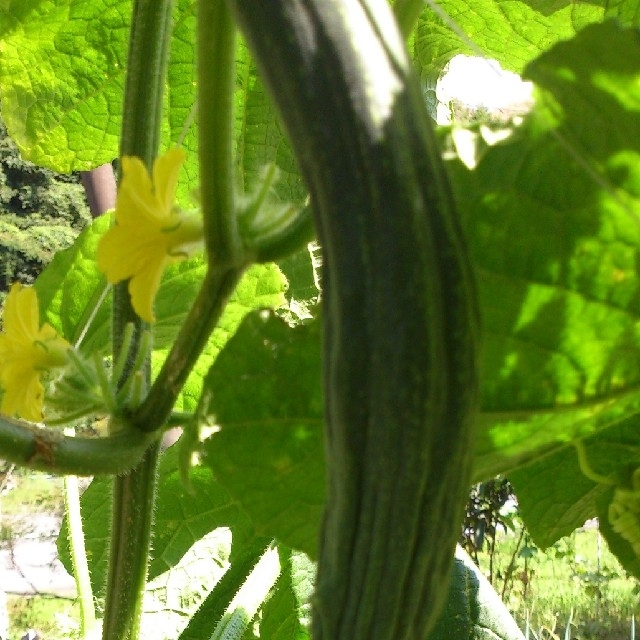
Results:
x,y
401,322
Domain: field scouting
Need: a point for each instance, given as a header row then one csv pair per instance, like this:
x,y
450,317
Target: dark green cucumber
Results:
x,y
400,311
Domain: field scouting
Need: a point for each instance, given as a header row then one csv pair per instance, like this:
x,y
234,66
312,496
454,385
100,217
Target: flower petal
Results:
x,y
136,200
144,286
21,314
123,251
23,397
166,170
149,230
26,351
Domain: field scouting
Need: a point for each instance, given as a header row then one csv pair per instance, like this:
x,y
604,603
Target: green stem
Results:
x,y
143,100
586,469
194,333
129,554
134,493
407,13
216,83
79,555
146,77
49,450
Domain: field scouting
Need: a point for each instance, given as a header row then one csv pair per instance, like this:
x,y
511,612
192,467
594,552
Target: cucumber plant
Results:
x,y
314,117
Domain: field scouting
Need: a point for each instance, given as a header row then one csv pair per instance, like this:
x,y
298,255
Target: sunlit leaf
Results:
x,y
267,400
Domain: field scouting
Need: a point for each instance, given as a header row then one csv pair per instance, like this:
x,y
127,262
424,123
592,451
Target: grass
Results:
x,y
53,618
31,492
576,583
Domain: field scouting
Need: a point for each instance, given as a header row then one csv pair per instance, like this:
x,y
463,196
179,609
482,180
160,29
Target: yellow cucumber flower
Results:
x,y
28,352
150,231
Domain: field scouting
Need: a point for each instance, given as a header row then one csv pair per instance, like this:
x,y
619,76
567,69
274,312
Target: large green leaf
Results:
x,y
267,400
261,286
514,32
473,610
62,69
554,232
556,497
555,236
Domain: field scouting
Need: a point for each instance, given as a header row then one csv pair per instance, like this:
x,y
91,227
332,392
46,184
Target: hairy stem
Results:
x,y
79,555
48,450
129,553
134,493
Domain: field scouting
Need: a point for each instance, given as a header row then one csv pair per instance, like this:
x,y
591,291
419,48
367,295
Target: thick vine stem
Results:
x,y
134,493
48,450
132,510
147,62
399,311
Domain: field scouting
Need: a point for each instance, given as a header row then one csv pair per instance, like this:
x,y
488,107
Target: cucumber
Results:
x,y
400,311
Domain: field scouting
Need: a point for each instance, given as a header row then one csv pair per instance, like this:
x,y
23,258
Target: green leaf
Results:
x,y
181,519
174,596
554,232
261,286
555,496
617,544
267,402
260,137
260,141
512,32
62,71
288,604
63,81
245,557
71,287
473,610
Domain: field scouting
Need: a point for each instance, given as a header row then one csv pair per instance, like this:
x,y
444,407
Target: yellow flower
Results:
x,y
28,351
150,231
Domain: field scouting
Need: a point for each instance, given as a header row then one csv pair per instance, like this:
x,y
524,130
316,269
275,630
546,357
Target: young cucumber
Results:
x,y
401,323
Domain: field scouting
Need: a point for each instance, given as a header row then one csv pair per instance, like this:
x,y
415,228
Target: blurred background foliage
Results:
x,y
41,212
